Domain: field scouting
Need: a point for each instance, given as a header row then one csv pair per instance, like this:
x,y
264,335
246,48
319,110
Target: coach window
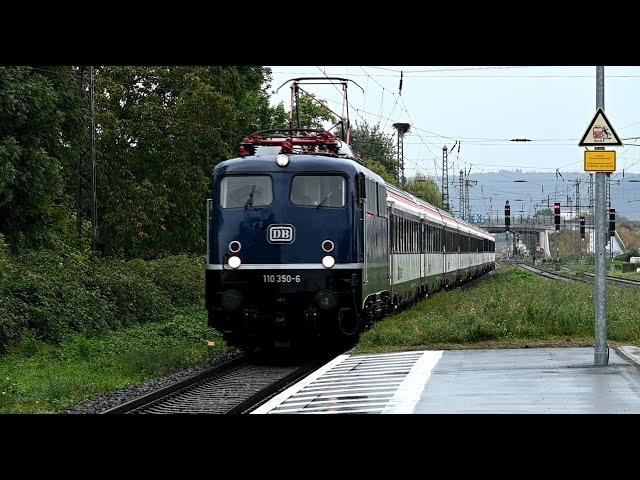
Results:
x,y
406,235
382,200
427,229
372,197
245,191
413,237
431,239
396,241
395,234
319,191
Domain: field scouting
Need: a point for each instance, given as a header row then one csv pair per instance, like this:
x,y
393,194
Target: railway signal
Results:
x,y
507,215
612,222
556,208
582,224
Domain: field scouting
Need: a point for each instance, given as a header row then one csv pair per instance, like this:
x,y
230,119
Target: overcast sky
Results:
x,y
484,107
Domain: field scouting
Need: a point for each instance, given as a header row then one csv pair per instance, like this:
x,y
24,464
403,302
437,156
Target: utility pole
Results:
x,y
461,188
466,198
577,198
94,166
592,222
402,128
445,177
608,208
577,217
79,167
601,353
465,207
87,193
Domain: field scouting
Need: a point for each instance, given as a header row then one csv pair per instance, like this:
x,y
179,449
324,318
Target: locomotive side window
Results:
x,y
244,191
319,190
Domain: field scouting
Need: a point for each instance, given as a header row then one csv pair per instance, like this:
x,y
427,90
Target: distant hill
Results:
x,y
539,190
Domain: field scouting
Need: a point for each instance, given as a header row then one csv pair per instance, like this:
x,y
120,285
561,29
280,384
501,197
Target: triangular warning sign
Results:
x,y
600,132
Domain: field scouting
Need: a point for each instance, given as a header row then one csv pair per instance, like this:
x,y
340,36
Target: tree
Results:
x,y
162,130
376,150
40,126
426,189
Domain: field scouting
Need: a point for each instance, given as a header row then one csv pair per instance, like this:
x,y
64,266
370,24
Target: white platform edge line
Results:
x,y
410,390
295,388
387,354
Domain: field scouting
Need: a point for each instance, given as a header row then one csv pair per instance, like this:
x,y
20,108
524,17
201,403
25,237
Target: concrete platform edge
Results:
x,y
630,353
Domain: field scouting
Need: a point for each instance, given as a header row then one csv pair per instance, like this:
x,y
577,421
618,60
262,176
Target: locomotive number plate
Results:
x,y
281,278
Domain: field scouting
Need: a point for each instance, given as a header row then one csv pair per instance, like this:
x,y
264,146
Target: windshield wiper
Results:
x,y
250,199
325,199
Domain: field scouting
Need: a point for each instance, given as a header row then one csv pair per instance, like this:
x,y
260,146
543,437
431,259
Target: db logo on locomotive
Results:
x,y
280,233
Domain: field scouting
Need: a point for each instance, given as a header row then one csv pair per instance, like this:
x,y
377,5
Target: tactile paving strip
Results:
x,y
381,383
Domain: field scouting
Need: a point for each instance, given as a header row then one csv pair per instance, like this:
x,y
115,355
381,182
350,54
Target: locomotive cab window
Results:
x,y
244,191
318,190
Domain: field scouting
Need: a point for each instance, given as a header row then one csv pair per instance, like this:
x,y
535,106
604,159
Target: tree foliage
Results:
x,y
376,149
40,119
162,131
426,189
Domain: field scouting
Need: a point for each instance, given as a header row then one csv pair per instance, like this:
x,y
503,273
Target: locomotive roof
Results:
x,y
299,163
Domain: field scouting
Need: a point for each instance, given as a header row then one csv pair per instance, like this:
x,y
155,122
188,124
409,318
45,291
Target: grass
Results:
x,y
38,377
511,308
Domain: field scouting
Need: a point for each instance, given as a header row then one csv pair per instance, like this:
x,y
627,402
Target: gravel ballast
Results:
x,y
118,397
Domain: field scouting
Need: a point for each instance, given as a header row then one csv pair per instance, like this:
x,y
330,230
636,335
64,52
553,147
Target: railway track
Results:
x,y
559,276
232,388
620,281
550,275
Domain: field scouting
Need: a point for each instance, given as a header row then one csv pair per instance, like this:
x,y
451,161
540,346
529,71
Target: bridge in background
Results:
x,y
543,228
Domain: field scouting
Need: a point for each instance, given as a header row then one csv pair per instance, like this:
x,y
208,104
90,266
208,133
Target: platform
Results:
x,y
535,380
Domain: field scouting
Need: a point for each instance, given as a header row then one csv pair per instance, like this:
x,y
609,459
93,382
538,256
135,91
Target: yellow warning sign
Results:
x,y
600,161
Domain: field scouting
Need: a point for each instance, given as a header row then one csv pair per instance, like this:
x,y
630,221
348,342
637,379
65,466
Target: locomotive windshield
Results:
x,y
318,190
244,191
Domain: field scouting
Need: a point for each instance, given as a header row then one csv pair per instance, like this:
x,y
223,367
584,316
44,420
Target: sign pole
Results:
x,y
601,354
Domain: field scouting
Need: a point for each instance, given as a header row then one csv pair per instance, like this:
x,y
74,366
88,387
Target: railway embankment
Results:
x,y
511,308
74,325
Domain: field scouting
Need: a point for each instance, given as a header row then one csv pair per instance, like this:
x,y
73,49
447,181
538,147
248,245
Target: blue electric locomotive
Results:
x,y
303,242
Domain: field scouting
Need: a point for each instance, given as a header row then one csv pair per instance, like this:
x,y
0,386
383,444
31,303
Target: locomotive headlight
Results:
x,y
282,160
234,262
328,261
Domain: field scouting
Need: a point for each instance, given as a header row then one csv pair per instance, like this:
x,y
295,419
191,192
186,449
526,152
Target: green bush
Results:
x,y
180,277
51,295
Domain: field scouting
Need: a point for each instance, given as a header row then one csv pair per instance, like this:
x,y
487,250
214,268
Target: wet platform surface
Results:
x,y
536,380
